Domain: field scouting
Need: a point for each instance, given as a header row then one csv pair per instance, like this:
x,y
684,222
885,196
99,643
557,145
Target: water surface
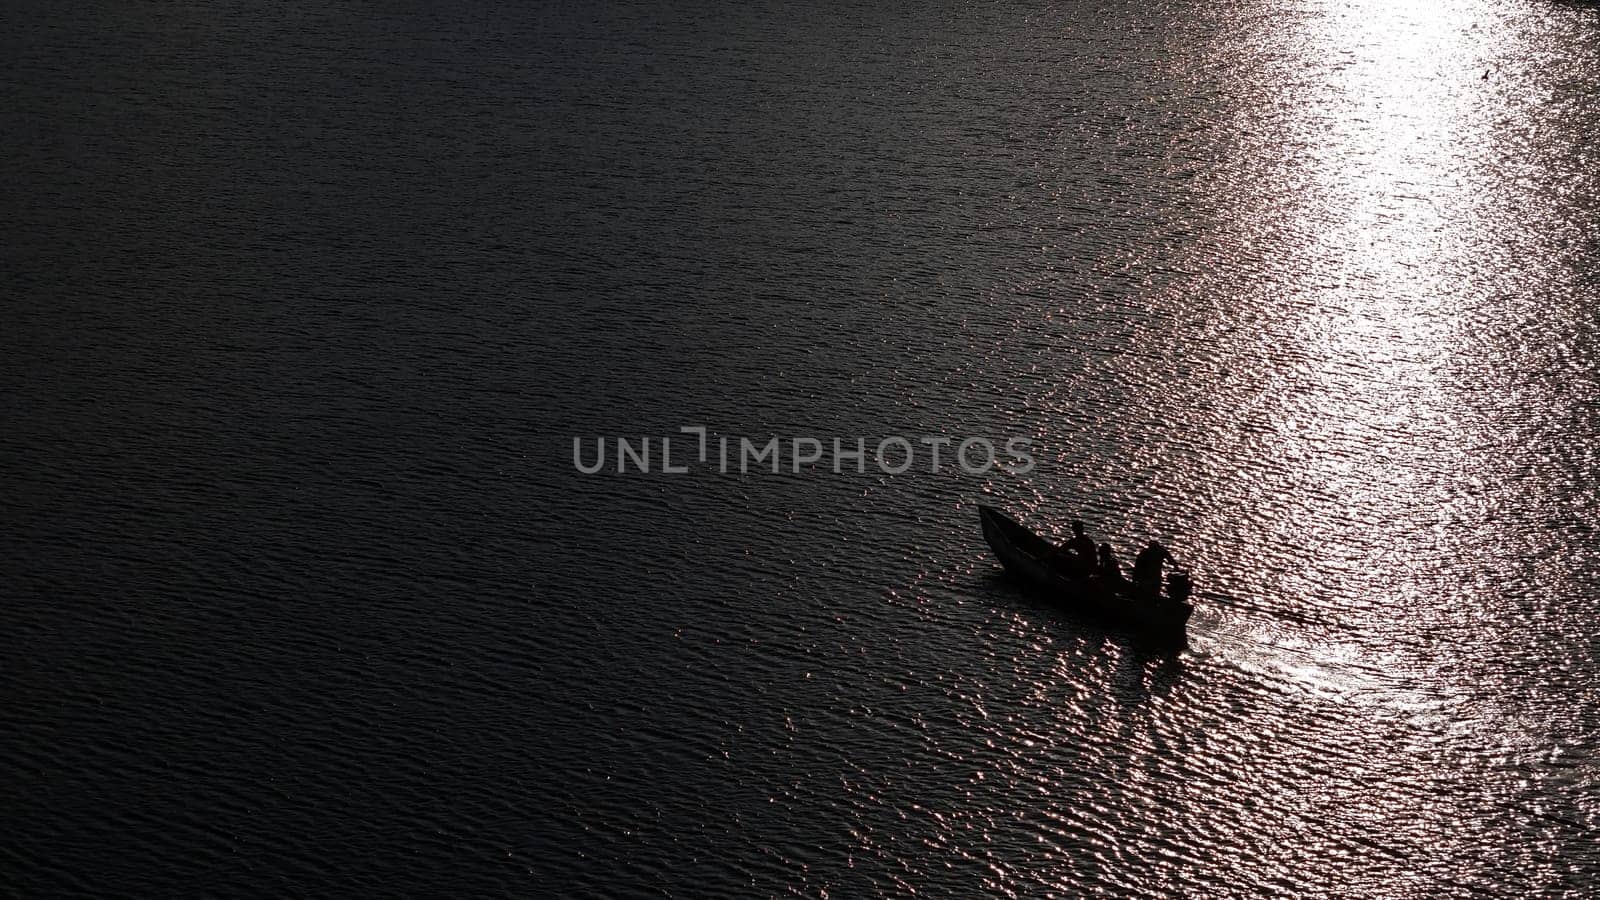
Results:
x,y
304,307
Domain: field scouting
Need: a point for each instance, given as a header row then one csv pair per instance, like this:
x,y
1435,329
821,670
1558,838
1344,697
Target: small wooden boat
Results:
x,y
1036,562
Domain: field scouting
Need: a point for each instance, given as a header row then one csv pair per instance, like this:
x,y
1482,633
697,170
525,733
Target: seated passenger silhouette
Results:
x,y
1108,567
1081,549
1147,566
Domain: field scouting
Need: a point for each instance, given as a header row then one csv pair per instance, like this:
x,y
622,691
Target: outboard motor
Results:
x,y
1179,587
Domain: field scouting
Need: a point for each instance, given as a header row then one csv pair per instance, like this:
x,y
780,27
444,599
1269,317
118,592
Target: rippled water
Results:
x,y
304,307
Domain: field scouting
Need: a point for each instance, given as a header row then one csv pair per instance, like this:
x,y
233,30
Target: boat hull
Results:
x,y
1027,557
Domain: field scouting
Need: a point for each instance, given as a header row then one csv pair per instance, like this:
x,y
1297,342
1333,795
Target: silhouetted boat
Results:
x,y
1035,561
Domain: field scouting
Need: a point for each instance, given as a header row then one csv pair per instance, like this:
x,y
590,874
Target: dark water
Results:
x,y
303,308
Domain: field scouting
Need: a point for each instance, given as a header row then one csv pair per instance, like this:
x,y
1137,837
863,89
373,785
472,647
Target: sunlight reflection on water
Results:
x,y
1381,486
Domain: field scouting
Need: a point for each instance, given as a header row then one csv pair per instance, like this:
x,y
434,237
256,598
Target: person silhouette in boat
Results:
x,y
1109,568
1147,566
1179,586
1080,550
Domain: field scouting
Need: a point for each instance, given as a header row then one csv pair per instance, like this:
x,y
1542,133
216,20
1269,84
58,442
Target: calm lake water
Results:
x,y
304,307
